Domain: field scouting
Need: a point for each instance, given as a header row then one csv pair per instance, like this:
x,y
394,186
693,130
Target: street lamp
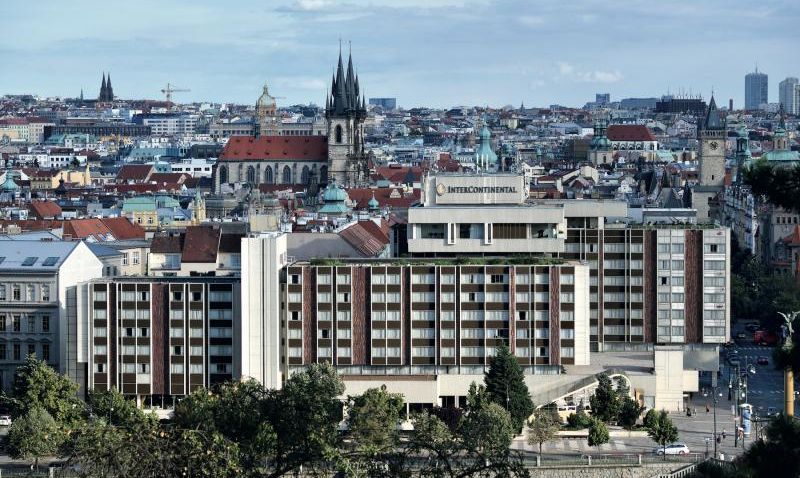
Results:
x,y
715,394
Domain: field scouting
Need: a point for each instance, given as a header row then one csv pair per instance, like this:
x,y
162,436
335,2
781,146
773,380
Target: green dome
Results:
x,y
373,203
485,157
9,185
334,193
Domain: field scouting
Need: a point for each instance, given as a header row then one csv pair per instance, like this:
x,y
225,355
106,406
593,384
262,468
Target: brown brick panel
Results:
x,y
512,310
309,280
555,316
650,286
360,319
693,286
111,333
159,331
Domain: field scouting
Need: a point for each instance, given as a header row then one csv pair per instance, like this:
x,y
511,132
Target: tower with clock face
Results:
x,y
705,196
711,135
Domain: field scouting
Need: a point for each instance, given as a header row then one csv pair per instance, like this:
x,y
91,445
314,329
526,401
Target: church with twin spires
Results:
x,y
267,158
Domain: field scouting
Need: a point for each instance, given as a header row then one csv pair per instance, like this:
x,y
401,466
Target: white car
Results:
x,y
5,421
672,449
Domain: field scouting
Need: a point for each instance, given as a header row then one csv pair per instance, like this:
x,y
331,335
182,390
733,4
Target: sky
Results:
x,y
436,53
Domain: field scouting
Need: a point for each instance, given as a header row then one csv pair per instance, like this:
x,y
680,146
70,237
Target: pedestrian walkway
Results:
x,y
568,445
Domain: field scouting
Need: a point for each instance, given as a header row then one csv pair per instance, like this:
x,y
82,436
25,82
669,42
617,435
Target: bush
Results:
x,y
579,420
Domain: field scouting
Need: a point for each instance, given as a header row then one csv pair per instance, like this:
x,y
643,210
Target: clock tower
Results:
x,y
711,135
706,193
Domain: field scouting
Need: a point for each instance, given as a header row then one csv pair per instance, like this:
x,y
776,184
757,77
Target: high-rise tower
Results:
x,y
756,90
345,112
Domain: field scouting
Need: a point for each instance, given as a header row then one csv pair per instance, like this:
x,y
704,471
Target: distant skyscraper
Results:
x,y
756,90
788,95
602,98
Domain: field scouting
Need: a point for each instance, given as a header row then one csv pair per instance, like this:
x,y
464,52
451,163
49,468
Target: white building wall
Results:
x,y
259,333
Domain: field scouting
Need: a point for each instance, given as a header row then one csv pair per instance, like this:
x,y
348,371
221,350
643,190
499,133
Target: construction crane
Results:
x,y
172,89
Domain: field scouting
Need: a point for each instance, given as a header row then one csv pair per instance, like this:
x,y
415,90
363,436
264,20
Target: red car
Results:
x,y
763,337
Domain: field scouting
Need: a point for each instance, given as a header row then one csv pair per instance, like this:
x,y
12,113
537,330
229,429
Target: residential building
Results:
x,y
157,339
38,281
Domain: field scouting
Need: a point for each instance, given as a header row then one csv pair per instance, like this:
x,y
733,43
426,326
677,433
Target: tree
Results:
x,y
605,402
113,407
777,455
629,412
543,427
305,415
649,420
37,385
505,385
488,429
598,433
662,430
450,416
372,426
34,435
579,420
778,185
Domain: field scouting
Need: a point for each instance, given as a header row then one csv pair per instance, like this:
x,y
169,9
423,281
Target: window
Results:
x,y
393,279
100,368
343,333
567,352
196,350
16,351
343,296
448,315
136,258
2,292
30,293
343,352
295,297
176,332
29,261
422,351
423,333
45,293
567,333
510,231
343,278
98,295
15,292
176,368
323,279
16,323
542,333
325,297
31,324
448,279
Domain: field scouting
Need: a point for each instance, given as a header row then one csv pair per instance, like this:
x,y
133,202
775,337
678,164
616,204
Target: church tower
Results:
x,y
345,113
711,159
600,148
266,109
106,91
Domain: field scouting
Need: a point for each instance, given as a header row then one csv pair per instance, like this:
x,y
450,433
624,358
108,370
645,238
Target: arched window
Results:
x,y
251,175
305,176
223,174
287,175
323,175
339,134
268,178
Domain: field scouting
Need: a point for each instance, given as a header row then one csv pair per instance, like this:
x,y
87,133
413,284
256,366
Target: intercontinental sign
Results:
x,y
475,189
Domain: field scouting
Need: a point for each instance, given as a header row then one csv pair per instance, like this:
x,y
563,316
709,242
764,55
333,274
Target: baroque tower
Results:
x,y
345,113
266,116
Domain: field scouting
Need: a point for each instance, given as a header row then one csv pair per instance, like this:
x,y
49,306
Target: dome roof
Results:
x,y
9,184
334,193
485,133
485,157
373,203
266,100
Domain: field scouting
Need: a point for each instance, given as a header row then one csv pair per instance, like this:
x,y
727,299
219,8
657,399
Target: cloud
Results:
x,y
309,5
569,71
565,68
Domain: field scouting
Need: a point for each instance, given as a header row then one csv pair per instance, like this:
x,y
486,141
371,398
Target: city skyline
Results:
x,y
436,53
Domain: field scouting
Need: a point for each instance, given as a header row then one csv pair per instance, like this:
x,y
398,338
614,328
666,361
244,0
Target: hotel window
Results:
x,y
177,296
448,297
567,333
343,278
295,352
448,333
710,281
522,315
677,264
567,352
423,297
497,297
423,334
176,314
567,279
472,351
215,296
136,258
541,296
343,352
541,315
393,351
99,331
523,352
392,333
675,298
422,351
392,315
448,351
432,231
378,279
343,315
663,264
472,278
294,333
542,352
448,315
196,350
296,297
423,315
497,315
177,350
542,333
378,351
98,295
323,279
393,297
343,297
46,352
378,333
196,368
714,265
471,315
498,279
294,279
523,297
567,297
343,333
422,279
714,248
324,297
176,332
45,293
448,279
522,333
567,316
393,279
471,333
324,351
143,314
379,315
125,259
100,368
472,297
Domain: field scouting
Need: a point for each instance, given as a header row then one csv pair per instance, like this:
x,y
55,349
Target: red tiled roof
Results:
x,y
134,172
84,228
45,209
167,178
201,244
123,228
32,224
294,148
366,237
397,175
167,243
629,132
361,197
793,239
13,121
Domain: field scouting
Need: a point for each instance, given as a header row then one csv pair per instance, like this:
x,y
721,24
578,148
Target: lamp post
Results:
x,y
788,374
715,394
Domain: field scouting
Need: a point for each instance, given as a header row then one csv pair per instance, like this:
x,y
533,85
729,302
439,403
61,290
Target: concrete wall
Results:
x,y
669,378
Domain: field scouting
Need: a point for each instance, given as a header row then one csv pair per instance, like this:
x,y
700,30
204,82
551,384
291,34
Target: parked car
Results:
x,y
772,411
741,336
762,360
5,421
764,337
672,449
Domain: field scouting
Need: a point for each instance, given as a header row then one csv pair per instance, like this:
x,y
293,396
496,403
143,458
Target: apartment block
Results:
x,y
160,338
